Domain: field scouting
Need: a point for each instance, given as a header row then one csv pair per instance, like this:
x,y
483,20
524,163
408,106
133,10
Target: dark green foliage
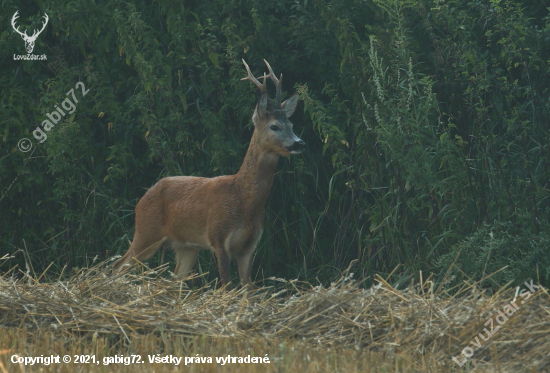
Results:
x,y
522,251
426,124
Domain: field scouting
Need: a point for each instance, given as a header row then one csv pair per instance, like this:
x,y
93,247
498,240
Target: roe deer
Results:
x,y
225,213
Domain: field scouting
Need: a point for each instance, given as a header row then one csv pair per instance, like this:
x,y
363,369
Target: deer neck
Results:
x,y
255,177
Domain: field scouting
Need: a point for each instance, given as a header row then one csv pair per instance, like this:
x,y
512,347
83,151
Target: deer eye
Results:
x,y
275,128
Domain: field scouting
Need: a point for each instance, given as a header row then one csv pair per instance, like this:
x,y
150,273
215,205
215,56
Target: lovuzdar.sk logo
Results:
x,y
29,40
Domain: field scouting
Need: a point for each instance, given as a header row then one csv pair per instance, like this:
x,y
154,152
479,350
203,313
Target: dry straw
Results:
x,y
418,320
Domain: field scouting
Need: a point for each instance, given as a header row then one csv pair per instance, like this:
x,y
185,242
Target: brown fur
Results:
x,y
225,213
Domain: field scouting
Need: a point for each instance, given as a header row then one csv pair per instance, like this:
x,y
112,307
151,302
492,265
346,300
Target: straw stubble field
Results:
x,y
299,327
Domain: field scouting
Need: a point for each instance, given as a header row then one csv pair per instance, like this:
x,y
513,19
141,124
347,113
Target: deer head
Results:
x,y
273,129
29,40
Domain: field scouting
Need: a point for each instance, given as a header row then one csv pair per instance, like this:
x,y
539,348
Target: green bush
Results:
x,y
426,123
497,254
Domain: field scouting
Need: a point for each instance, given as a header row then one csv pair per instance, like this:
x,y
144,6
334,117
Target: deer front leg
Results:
x,y
244,262
244,259
224,267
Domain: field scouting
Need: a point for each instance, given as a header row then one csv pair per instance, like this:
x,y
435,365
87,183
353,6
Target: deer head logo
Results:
x,y
29,40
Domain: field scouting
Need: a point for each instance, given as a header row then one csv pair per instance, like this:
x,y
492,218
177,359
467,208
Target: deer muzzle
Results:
x,y
297,146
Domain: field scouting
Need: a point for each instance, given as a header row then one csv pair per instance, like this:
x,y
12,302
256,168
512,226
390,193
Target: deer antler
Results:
x,y
262,87
15,16
278,82
251,77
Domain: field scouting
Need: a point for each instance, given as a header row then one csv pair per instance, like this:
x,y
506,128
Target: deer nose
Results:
x,y
297,147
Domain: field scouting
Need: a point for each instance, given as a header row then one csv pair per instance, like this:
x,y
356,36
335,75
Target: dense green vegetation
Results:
x,y
426,124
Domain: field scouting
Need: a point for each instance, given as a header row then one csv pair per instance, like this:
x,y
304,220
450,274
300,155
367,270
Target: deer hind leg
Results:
x,y
139,250
186,256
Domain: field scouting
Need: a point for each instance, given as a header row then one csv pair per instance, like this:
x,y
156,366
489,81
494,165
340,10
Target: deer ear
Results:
x,y
261,108
262,105
290,105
